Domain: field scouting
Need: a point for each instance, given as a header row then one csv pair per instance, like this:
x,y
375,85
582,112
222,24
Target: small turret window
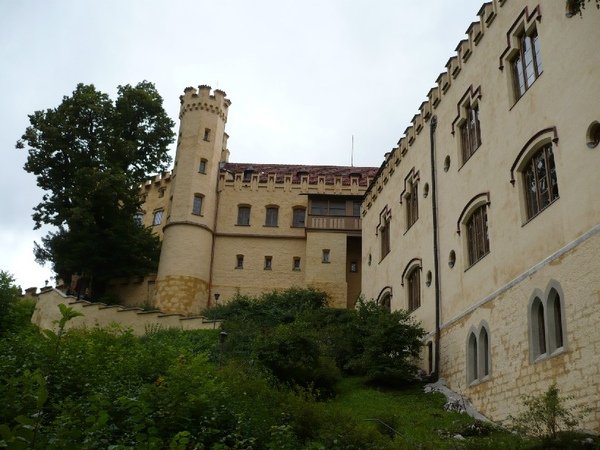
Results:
x,y
202,166
197,206
157,217
207,134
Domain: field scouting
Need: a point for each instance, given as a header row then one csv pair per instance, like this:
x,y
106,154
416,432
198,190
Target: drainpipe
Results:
x,y
436,262
214,238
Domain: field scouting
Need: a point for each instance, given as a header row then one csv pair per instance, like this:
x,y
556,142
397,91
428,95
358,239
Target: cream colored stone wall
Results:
x,y
253,279
558,107
576,371
328,276
155,193
46,315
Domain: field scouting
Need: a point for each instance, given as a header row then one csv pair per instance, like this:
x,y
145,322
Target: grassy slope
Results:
x,y
418,418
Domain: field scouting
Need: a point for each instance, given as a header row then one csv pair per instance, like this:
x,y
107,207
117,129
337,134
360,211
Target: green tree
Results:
x,y
90,155
9,294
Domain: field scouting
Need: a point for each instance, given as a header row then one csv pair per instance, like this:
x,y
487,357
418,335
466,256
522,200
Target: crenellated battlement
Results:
x,y
443,83
201,99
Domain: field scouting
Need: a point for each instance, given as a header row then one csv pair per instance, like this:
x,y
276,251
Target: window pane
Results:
x,y
318,207
298,218
197,207
271,217
244,215
337,208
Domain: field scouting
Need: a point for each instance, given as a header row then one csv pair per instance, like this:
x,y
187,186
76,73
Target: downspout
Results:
x,y
212,249
436,262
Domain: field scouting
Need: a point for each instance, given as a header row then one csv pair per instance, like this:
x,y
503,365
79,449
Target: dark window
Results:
x,y
139,218
326,256
202,166
470,133
329,208
197,206
353,266
484,354
207,134
299,216
541,186
477,235
414,289
296,264
356,208
384,234
243,217
527,64
412,205
472,362
239,261
271,216
268,262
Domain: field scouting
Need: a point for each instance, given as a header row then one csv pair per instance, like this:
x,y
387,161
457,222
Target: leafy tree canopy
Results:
x,y
90,155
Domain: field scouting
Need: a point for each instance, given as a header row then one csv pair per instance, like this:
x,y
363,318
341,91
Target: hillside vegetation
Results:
x,y
290,373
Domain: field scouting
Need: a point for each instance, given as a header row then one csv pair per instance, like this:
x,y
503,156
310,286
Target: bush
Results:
x,y
545,415
293,355
9,297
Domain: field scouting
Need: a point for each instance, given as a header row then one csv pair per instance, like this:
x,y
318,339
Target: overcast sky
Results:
x,y
303,77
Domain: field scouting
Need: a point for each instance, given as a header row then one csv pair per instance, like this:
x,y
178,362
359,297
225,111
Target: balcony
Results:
x,y
338,223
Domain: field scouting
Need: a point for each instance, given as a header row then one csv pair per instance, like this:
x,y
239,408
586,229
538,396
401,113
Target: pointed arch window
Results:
x,y
478,354
546,323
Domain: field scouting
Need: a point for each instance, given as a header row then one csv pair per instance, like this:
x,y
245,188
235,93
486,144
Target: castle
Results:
x,y
483,220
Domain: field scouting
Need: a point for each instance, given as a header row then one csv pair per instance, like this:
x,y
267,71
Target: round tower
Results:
x,y
183,281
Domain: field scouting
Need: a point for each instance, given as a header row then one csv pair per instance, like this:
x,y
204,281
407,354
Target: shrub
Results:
x,y
545,415
9,296
293,355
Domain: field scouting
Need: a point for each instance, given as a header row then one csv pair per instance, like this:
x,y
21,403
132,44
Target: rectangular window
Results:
x,y
268,262
197,206
319,207
161,192
356,208
470,133
243,217
202,166
299,217
271,216
325,258
527,63
337,208
207,134
296,264
239,261
353,266
412,205
384,236
539,178
478,244
157,218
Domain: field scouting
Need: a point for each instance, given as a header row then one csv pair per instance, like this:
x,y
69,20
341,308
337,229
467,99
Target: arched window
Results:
x,y
484,355
539,181
547,322
478,244
538,328
478,354
384,299
413,280
472,366
555,332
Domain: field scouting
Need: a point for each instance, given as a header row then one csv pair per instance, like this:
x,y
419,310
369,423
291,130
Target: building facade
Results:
x,y
230,228
484,221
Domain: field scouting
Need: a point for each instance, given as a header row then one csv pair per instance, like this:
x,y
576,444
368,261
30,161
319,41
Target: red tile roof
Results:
x,y
296,171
